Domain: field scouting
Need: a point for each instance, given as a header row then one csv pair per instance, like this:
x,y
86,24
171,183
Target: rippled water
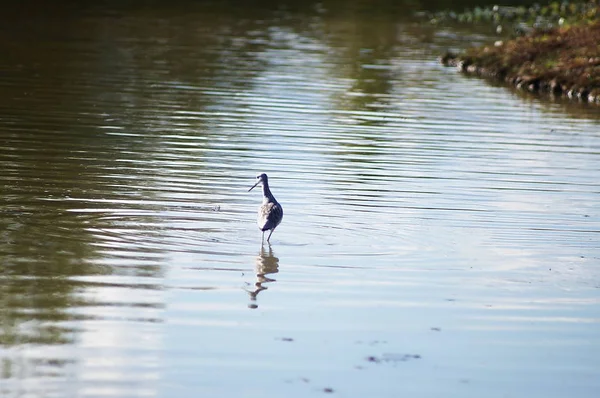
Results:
x,y
440,234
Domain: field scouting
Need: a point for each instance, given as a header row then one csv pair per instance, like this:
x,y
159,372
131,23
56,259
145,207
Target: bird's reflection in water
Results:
x,y
266,264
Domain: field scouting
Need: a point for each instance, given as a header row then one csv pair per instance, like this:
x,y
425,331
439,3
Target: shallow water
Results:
x,y
440,235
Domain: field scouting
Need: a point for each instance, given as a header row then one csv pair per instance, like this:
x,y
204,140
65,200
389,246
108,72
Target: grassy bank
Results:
x,y
563,61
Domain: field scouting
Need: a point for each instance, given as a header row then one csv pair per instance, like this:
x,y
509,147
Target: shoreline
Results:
x,y
560,62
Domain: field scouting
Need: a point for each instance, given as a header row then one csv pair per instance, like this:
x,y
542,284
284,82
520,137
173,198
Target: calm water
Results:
x,y
441,235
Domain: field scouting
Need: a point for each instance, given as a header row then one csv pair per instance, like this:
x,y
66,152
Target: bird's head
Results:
x,y
261,179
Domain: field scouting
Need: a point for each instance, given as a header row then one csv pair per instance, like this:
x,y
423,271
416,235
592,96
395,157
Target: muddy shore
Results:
x,y
560,62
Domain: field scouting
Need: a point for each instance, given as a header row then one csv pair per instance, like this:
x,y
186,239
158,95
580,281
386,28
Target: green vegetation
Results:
x,y
556,60
523,19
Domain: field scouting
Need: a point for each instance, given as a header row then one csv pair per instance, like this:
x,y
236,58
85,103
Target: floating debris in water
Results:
x,y
393,358
372,342
285,339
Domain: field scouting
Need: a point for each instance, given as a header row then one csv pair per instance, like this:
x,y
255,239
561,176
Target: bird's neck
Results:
x,y
266,191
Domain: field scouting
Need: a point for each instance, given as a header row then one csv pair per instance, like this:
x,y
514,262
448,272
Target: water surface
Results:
x,y
440,235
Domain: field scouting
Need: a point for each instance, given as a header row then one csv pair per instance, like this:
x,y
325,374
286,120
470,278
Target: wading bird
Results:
x,y
270,213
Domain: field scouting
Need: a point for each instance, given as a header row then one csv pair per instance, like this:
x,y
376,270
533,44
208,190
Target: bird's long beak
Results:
x,y
254,186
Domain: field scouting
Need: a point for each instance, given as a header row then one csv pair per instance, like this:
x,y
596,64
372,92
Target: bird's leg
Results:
x,y
263,237
270,233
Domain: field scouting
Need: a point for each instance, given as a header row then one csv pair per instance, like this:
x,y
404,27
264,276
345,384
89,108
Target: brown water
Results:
x,y
441,235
